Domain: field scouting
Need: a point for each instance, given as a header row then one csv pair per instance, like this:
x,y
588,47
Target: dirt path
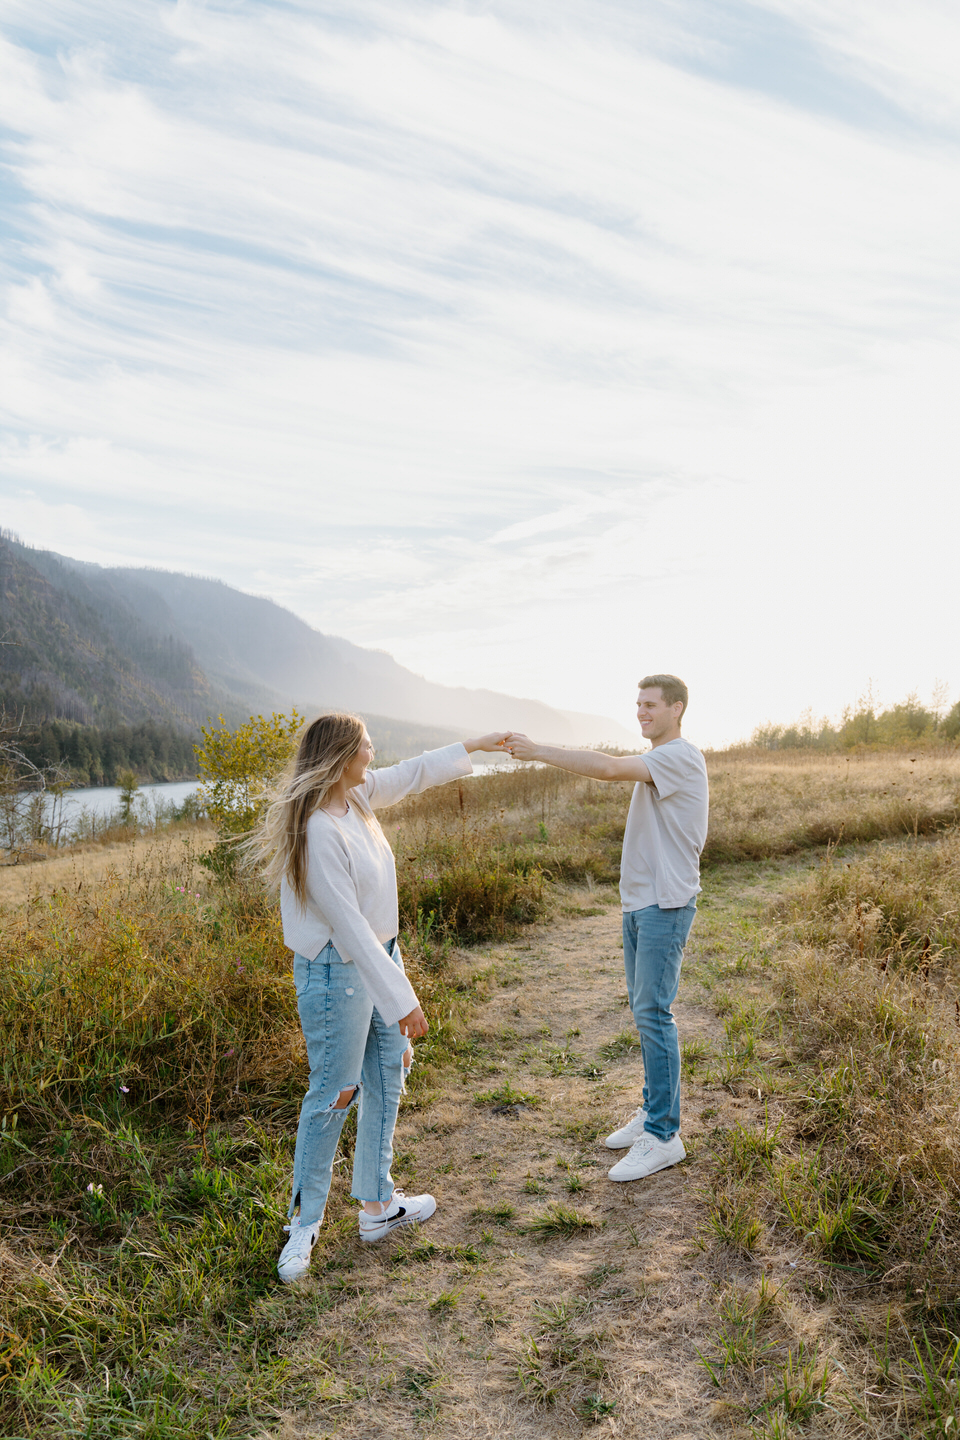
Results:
x,y
475,1327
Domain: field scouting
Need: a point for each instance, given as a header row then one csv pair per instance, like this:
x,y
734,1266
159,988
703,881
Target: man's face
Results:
x,y
655,715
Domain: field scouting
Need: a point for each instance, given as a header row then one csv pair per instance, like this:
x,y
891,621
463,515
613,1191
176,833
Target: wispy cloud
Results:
x,y
488,332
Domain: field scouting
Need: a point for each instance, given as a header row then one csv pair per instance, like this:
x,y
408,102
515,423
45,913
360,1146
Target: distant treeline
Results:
x,y
908,723
153,750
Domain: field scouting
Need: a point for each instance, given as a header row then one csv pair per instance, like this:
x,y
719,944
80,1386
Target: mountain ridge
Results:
x,y
121,644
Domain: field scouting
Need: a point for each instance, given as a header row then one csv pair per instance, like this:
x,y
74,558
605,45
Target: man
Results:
x,y
659,884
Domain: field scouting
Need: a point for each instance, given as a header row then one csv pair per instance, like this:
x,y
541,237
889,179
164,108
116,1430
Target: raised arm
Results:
x,y
582,762
434,767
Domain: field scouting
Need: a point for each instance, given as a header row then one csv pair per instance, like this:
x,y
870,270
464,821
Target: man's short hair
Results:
x,y
671,687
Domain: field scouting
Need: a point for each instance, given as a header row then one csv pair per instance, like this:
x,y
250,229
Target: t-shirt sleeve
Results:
x,y
672,769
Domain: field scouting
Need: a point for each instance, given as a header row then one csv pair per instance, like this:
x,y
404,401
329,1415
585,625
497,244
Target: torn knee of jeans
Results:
x,y
335,1103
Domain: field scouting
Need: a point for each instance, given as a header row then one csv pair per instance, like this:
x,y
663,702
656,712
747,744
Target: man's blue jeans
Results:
x,y
347,1044
653,941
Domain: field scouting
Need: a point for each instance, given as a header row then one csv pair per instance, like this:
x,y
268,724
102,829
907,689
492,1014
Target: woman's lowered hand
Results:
x,y
414,1025
492,742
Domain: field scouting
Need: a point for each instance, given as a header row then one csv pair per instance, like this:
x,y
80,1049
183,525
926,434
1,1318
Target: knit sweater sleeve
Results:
x,y
434,767
331,887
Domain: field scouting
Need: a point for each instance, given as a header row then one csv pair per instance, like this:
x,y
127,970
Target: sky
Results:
x,y
542,346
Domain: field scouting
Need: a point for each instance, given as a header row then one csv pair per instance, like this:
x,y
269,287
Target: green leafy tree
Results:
x,y
237,766
129,786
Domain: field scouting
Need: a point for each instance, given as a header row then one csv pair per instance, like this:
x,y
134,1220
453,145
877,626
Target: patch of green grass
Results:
x,y
587,1129
930,1383
533,1373
506,1094
418,1251
733,1220
560,1221
420,1386
446,1301
558,1359
625,1043
595,1409
693,1053
424,1251
502,1214
798,1391
558,1314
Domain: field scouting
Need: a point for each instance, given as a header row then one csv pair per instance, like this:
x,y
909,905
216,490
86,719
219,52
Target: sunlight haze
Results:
x,y
540,346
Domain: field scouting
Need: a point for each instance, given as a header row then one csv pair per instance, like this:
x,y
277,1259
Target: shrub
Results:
x,y
237,766
147,985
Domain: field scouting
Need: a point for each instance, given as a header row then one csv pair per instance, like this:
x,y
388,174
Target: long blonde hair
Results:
x,y
326,747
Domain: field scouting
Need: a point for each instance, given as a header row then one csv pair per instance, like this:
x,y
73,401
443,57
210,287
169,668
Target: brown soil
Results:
x,y
435,1341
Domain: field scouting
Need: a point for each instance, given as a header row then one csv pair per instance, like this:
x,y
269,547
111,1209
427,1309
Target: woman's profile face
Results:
x,y
355,772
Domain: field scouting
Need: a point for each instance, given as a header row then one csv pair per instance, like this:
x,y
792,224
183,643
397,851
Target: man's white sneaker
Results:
x,y
294,1259
648,1156
402,1210
628,1133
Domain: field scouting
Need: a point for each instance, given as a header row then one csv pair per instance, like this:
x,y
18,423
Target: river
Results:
x,y
98,802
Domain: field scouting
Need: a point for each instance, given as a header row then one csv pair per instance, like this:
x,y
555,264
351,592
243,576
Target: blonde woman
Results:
x,y
324,848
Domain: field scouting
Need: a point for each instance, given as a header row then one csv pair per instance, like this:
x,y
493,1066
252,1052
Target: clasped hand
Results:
x,y
520,746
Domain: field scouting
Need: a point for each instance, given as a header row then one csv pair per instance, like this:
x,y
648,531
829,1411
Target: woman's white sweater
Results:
x,y
352,881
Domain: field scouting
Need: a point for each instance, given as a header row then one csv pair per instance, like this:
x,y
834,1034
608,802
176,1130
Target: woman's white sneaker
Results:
x,y
402,1210
628,1133
294,1259
648,1156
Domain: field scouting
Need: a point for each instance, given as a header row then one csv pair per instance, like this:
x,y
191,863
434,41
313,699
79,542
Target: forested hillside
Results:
x,y
153,750
74,650
112,669
120,646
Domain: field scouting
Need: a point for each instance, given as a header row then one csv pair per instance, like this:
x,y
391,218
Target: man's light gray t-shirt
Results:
x,y
666,830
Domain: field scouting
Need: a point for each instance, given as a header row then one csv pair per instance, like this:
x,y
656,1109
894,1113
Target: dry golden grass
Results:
x,y
765,804
842,1008
89,862
744,1293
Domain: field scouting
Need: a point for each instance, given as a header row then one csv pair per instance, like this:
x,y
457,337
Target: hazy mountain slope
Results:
x,y
72,648
242,640
120,645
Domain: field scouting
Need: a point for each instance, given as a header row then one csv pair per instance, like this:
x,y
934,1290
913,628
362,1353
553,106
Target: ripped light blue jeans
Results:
x,y
348,1044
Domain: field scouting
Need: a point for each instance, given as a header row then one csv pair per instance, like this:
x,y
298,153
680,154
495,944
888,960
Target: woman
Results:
x,y
324,848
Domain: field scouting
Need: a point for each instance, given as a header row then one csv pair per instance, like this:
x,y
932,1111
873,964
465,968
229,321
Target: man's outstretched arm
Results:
x,y
582,762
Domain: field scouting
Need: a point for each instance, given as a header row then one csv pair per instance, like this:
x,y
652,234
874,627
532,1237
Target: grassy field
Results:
x,y
474,855
153,1069
839,988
